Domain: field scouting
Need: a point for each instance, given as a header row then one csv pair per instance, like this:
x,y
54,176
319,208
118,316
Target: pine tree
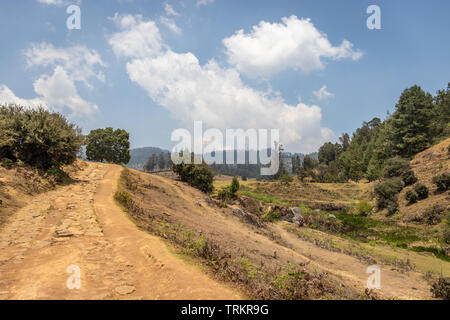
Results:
x,y
411,122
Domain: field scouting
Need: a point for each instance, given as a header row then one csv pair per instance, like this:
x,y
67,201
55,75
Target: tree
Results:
x,y
151,163
281,167
441,113
107,145
234,187
162,161
38,137
328,152
411,122
296,165
345,141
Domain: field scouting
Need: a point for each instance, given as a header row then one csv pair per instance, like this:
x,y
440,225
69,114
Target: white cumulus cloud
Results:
x,y
323,94
170,11
214,94
137,39
80,62
57,89
55,92
170,24
204,2
292,44
59,2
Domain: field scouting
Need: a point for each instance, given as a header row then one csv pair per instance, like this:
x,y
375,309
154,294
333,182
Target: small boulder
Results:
x,y
298,217
123,290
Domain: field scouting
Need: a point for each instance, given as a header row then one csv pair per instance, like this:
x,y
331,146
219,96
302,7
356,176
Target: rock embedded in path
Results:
x,y
124,290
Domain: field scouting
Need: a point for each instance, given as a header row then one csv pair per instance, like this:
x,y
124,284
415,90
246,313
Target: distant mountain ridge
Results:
x,y
139,156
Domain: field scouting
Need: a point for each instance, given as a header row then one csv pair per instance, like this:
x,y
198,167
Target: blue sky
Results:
x,y
153,66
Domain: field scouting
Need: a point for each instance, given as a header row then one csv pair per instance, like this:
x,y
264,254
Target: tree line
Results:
x,y
419,121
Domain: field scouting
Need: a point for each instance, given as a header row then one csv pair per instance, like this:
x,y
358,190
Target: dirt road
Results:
x,y
79,228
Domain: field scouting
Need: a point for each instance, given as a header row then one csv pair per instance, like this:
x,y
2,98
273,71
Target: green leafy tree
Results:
x,y
108,145
38,137
328,152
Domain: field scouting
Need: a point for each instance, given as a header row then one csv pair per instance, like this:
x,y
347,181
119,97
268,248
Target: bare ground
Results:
x,y
80,225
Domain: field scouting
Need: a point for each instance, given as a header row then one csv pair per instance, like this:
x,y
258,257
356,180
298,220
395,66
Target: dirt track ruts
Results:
x,y
81,225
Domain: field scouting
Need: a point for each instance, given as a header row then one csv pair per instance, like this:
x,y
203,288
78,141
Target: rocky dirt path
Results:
x,y
79,228
394,285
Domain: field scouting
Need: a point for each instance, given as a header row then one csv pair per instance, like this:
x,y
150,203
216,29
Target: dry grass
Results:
x,y
426,165
232,250
19,184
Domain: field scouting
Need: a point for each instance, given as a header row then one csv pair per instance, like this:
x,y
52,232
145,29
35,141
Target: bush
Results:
x,y
286,178
395,167
199,176
409,178
421,190
399,167
446,235
37,137
224,194
272,216
387,190
363,207
123,197
442,181
433,215
411,196
7,163
59,175
441,288
392,206
234,187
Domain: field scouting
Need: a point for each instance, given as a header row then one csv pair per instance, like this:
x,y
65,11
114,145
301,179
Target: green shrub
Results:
x,y
411,196
272,216
392,206
409,178
59,175
395,167
234,187
286,178
363,207
387,190
7,163
123,197
199,176
224,194
37,137
421,190
441,288
446,235
433,214
442,181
